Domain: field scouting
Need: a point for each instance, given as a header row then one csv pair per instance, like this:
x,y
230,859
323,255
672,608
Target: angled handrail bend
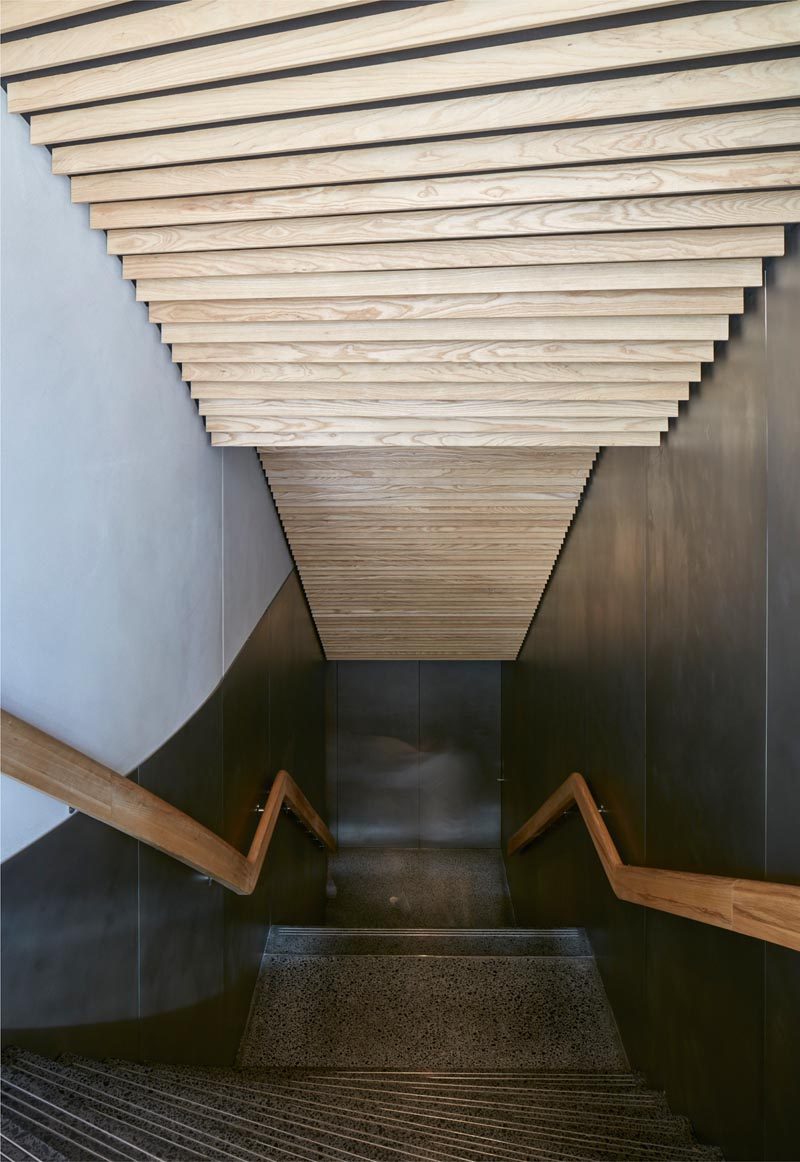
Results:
x,y
35,758
768,911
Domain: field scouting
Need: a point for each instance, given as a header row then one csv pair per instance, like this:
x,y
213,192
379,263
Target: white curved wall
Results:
x,y
136,558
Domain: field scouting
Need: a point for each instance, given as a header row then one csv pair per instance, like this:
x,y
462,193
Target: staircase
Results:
x,y
380,1044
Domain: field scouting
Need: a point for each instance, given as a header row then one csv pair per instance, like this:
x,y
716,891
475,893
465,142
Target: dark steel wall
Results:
x,y
414,753
111,948
663,664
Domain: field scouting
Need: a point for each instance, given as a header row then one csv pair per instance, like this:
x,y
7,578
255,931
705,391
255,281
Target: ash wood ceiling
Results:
x,y
427,258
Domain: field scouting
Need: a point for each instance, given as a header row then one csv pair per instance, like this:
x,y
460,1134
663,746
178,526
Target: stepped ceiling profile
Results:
x,y
427,259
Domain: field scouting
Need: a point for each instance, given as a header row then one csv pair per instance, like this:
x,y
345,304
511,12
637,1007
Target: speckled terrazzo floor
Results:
x,y
418,888
431,1012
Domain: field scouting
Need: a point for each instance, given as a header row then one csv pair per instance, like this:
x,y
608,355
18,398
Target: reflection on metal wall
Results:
x,y
416,757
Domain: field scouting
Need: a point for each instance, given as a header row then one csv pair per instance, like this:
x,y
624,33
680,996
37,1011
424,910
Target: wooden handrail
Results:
x,y
33,757
768,911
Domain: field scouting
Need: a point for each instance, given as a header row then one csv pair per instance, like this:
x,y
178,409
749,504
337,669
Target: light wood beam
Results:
x,y
389,31
438,439
235,394
658,327
398,407
520,305
442,373
655,245
16,14
713,272
703,88
688,175
745,209
707,133
470,352
738,30
150,28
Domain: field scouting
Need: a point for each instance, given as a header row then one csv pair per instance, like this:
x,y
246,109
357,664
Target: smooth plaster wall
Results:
x,y
136,558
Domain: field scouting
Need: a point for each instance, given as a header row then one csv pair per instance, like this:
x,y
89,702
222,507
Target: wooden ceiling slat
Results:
x,y
548,372
359,36
667,327
517,305
150,28
655,245
693,273
698,88
743,130
428,339
17,14
686,175
741,209
415,393
752,29
409,353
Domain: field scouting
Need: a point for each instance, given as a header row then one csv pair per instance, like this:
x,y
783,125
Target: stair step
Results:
x,y
289,941
429,1012
122,1110
19,1144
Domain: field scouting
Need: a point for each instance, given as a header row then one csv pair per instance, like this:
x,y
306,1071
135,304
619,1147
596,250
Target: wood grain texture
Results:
x,y
757,81
610,327
443,373
40,761
654,246
389,31
150,28
745,130
586,219
688,175
693,273
16,14
449,352
515,305
235,394
767,911
751,29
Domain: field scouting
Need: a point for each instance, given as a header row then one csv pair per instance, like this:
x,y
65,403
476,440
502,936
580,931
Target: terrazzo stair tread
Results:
x,y
490,1139
19,1145
292,1130
431,1013
421,887
132,1133
213,1133
76,1136
427,942
660,1125
601,1138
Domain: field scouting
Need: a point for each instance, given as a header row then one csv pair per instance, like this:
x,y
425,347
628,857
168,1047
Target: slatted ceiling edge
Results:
x,y
390,31
698,133
523,304
452,412
756,28
443,372
692,175
152,28
741,84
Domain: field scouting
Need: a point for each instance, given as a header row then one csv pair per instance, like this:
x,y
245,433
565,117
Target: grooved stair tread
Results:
x,y
291,941
129,1110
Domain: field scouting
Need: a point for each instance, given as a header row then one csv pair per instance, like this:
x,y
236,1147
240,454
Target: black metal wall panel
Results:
x,y
415,753
782,985
112,949
70,942
672,619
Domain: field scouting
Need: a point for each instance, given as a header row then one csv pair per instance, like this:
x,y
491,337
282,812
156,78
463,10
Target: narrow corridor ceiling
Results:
x,y
427,259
